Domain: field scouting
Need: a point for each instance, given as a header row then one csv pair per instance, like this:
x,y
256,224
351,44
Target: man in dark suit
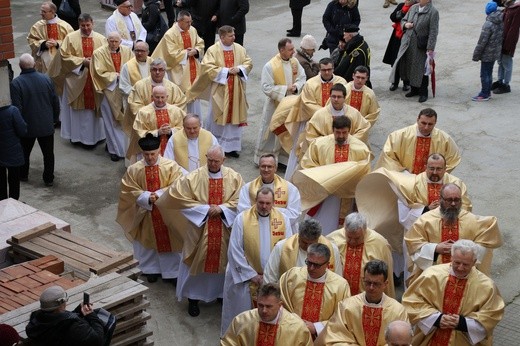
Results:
x,y
233,12
296,11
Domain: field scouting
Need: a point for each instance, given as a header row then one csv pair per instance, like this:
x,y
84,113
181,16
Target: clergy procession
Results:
x,y
329,244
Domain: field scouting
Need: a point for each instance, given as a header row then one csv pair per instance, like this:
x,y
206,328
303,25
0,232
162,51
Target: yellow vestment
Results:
x,y
171,49
136,221
69,57
104,73
191,191
481,301
369,106
243,331
212,65
374,247
345,326
289,253
38,35
482,230
398,152
320,177
180,147
293,284
378,192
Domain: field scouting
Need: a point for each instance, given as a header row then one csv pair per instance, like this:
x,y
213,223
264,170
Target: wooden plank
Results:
x,y
123,325
75,246
63,252
106,266
33,232
131,337
87,243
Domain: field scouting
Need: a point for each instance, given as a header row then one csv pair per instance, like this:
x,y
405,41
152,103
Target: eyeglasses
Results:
x,y
451,200
314,265
158,70
372,284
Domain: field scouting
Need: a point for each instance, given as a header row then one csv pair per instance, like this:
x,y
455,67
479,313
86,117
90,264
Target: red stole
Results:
x,y
162,118
422,150
371,321
229,61
162,238
312,301
449,232
341,153
186,40
352,267
116,60
266,334
453,294
356,98
325,92
87,45
434,192
216,192
52,31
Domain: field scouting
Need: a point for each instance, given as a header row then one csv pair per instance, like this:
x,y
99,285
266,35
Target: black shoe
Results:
x,y
193,307
290,30
57,124
293,34
114,157
151,278
496,85
406,87
423,98
503,89
88,146
412,93
49,183
234,154
24,179
393,87
398,280
220,300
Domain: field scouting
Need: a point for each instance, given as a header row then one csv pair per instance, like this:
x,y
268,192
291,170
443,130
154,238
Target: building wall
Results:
x,y
6,50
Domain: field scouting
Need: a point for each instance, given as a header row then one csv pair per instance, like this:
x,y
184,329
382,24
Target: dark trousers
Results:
x,y
9,175
486,77
423,89
297,20
239,38
47,147
170,12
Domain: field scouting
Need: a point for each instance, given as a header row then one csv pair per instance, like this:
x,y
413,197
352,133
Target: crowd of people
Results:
x,y
311,257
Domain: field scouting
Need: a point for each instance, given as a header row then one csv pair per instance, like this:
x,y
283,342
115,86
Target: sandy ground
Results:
x,y
87,182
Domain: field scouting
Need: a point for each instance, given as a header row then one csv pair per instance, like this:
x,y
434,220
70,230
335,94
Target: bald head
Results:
x,y
399,333
159,96
26,61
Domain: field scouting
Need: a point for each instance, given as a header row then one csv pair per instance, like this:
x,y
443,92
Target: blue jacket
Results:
x,y
34,95
12,127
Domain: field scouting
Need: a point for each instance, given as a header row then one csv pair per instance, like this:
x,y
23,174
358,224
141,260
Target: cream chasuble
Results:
x,y
42,31
479,302
316,302
136,221
182,69
357,322
398,153
374,247
368,105
184,209
189,153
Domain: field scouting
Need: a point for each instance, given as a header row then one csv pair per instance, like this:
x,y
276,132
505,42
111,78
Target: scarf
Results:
x,y
397,26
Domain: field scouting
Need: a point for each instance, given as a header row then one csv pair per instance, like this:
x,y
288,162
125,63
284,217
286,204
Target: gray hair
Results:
x,y
158,62
26,61
354,222
214,148
85,17
191,116
309,229
465,246
320,250
449,186
398,325
269,155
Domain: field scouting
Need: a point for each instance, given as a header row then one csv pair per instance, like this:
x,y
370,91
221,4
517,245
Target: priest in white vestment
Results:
x,y
126,23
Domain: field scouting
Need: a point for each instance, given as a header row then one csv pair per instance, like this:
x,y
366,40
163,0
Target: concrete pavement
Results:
x,y
87,182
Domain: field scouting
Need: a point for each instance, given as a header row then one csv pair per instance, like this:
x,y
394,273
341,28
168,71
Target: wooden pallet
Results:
x,y
123,297
80,255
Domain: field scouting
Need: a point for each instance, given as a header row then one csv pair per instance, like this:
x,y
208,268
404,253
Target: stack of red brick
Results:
x,y
6,31
22,284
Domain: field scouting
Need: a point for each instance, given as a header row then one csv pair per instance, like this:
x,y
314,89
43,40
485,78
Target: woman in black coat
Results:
x,y
12,127
337,15
73,21
395,41
154,24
